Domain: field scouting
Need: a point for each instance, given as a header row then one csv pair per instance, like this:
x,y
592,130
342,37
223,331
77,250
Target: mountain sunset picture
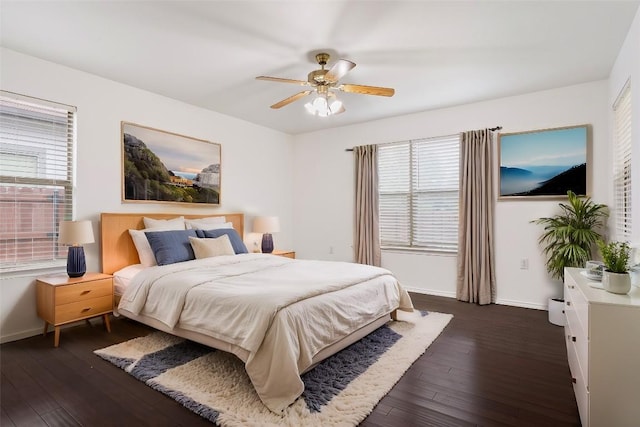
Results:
x,y
544,163
160,166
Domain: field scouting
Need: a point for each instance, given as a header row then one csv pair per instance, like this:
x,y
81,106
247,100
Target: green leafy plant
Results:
x,y
569,236
615,256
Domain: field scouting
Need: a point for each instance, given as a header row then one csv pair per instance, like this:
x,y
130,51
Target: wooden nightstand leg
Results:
x,y
46,329
56,339
106,322
394,315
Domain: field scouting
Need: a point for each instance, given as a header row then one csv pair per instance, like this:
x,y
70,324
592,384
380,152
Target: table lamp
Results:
x,y
266,225
75,233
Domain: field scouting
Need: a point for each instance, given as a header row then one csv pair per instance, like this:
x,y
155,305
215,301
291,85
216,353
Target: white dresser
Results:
x,y
602,332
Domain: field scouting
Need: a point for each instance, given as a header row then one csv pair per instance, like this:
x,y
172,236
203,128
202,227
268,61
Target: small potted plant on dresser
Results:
x,y
567,241
615,277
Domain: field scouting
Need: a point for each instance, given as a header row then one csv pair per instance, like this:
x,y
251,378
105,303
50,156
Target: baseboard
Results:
x,y
21,335
522,304
448,294
431,292
38,331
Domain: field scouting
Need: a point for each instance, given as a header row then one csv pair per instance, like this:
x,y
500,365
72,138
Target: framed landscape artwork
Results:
x,y
544,163
159,166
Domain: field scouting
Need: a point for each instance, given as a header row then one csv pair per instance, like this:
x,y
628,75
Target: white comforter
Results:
x,y
281,311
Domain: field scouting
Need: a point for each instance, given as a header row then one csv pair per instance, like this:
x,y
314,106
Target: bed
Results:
x,y
278,315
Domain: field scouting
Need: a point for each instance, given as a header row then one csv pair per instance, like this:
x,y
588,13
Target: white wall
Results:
x,y
256,162
324,181
627,67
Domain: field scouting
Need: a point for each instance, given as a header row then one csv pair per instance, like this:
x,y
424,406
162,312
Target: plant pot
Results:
x,y
616,283
556,311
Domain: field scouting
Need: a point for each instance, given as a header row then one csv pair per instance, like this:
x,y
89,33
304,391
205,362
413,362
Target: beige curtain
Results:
x,y
367,232
476,264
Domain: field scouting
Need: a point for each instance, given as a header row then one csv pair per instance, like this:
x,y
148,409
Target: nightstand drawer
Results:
x,y
83,309
83,291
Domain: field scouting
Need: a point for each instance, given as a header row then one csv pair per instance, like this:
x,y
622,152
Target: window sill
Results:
x,y
33,271
418,251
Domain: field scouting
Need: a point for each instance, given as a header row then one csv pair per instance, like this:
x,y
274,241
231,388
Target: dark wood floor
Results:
x,y
492,366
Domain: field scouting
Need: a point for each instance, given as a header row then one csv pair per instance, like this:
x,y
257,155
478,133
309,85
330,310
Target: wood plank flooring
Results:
x,y
492,366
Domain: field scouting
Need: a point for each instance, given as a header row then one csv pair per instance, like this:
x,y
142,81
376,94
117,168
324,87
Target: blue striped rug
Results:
x,y
341,391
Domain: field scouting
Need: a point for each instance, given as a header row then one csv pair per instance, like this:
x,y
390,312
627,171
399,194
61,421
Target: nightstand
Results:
x,y
62,299
286,254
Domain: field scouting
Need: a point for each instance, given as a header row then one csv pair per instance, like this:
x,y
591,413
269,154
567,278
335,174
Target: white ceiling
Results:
x,y
434,53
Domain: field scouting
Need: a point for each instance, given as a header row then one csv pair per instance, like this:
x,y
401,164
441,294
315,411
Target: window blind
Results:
x,y
418,192
622,165
36,180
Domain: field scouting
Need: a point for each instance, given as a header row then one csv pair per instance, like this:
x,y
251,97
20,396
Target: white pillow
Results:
x,y
164,224
204,223
206,248
216,226
145,253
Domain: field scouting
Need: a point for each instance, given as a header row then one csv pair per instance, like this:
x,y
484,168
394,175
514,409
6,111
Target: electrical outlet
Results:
x,y
524,264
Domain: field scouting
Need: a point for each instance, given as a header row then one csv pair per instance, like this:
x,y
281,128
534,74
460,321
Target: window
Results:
x,y
622,165
36,180
418,190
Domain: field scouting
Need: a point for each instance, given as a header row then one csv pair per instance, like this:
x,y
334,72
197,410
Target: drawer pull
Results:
x,y
571,287
84,310
573,380
85,292
568,302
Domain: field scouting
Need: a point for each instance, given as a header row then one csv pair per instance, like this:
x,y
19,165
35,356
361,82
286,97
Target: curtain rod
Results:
x,y
493,129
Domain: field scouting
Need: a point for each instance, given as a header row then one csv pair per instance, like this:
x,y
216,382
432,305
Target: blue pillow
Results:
x,y
234,237
171,246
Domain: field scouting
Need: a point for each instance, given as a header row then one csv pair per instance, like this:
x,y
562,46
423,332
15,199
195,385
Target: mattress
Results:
x,y
123,277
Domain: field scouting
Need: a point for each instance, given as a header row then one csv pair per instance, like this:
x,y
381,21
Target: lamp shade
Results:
x,y
266,224
75,233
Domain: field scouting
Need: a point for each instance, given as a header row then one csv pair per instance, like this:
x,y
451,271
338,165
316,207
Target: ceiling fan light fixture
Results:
x,y
320,103
309,107
324,105
336,106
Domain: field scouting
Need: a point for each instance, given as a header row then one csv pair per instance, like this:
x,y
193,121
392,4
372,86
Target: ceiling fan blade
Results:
x,y
281,80
367,90
290,99
339,70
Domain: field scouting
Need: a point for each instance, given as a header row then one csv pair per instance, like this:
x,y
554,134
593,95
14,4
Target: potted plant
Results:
x,y
615,255
568,238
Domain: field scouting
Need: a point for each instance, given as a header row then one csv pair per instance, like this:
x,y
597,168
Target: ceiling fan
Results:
x,y
324,83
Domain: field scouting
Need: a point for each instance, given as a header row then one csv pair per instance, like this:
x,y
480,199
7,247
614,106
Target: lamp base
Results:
x,y
267,243
76,264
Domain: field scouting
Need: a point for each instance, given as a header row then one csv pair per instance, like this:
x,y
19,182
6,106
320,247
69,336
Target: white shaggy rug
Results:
x,y
340,391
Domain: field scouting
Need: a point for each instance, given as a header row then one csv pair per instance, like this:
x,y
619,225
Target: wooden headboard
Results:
x,y
118,250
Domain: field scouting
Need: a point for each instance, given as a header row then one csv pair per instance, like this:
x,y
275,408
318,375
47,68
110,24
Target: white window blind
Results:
x,y
418,191
622,165
36,180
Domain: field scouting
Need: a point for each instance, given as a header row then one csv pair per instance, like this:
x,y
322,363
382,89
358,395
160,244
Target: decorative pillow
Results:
x,y
204,223
164,224
234,237
171,246
207,248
